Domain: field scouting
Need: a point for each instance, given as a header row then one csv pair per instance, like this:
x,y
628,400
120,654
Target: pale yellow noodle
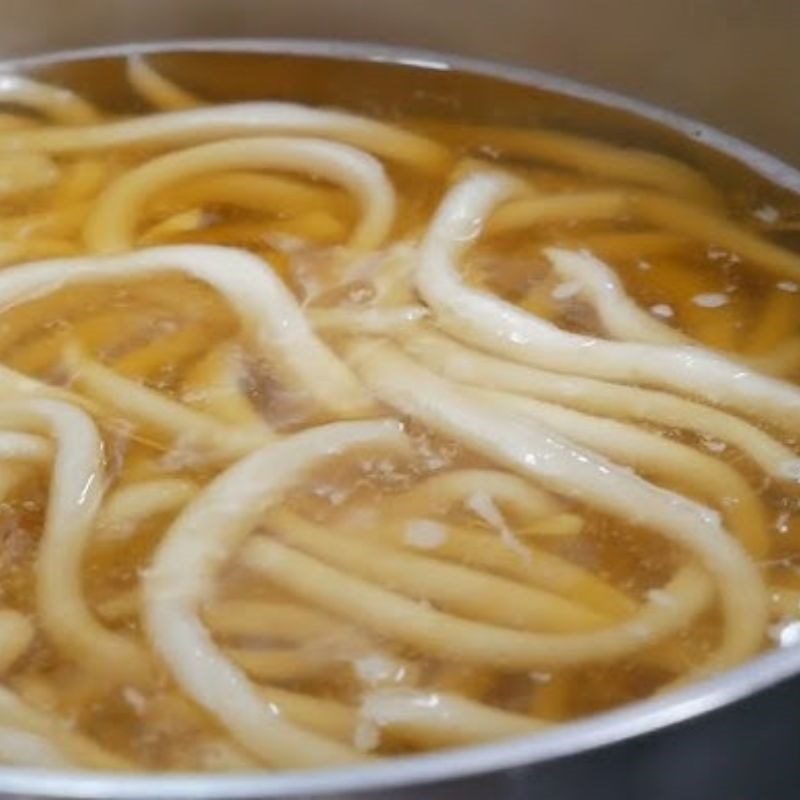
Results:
x,y
196,546
442,719
521,444
76,747
22,173
539,513
16,446
213,752
670,214
269,313
539,300
81,181
367,320
493,324
239,119
708,226
565,524
60,105
130,505
466,365
16,386
157,90
391,279
60,223
172,351
181,224
448,637
16,122
255,619
26,322
107,329
314,228
442,491
121,606
157,415
16,635
618,313
254,191
216,384
35,690
469,546
458,589
76,488
545,209
325,716
283,664
40,247
111,226
778,320
551,697
595,157
253,613
637,246
24,749
676,465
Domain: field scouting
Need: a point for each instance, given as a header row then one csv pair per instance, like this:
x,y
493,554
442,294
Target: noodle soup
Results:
x,y
339,429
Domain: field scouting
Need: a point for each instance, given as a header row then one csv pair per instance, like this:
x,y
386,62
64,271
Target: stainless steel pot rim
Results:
x,y
769,166
636,719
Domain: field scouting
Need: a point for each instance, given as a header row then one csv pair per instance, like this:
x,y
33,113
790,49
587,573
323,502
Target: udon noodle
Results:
x,y
325,439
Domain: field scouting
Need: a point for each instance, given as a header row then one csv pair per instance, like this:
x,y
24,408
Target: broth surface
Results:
x,y
327,581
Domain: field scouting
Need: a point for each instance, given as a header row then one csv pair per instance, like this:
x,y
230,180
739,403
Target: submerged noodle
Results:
x,y
324,439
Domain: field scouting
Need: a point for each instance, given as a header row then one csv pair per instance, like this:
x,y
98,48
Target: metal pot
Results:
x,y
736,736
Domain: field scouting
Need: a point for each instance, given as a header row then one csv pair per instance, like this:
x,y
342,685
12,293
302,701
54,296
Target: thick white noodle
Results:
x,y
25,749
663,461
535,451
470,593
60,105
482,319
269,313
441,719
442,491
111,224
203,537
239,119
23,173
600,286
366,320
131,505
149,84
76,490
15,446
445,636
460,363
76,748
17,385
196,434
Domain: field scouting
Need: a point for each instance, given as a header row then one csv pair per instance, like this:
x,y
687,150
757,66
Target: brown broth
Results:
x,y
154,332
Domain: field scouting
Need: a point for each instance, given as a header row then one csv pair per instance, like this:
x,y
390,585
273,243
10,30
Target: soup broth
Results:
x,y
345,425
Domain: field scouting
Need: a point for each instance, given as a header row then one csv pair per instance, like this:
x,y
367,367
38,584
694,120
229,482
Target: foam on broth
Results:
x,y
366,509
